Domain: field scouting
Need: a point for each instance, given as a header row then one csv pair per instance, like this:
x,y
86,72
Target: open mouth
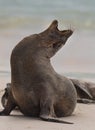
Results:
x,y
66,33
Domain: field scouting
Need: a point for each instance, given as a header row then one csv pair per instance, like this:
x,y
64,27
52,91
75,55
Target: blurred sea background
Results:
x,y
19,18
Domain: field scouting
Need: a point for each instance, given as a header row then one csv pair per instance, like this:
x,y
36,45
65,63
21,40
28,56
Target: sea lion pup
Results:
x,y
36,88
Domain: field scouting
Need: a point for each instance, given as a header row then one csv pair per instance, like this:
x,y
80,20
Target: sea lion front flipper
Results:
x,y
47,113
53,119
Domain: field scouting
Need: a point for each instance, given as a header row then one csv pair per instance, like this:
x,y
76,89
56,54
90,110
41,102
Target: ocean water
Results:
x,y
19,18
20,13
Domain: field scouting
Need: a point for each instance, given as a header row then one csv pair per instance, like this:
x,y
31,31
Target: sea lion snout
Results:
x,y
53,38
67,33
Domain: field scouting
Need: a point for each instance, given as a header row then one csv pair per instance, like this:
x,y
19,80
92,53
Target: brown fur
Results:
x,y
85,92
36,88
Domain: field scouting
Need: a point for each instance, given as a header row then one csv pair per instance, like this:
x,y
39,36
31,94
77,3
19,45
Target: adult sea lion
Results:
x,y
36,88
85,92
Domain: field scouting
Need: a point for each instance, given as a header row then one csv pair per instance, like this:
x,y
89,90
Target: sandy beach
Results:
x,y
21,18
83,118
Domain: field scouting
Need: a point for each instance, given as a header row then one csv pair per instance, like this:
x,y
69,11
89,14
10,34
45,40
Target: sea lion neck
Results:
x,y
42,62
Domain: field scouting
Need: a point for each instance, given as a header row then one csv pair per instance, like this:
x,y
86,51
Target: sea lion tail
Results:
x,y
53,119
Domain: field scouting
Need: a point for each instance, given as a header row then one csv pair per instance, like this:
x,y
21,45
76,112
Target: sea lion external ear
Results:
x,y
53,25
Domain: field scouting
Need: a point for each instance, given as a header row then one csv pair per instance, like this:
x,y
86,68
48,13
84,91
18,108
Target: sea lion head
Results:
x,y
44,44
53,39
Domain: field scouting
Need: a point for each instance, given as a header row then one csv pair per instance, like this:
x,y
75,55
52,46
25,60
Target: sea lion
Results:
x,y
85,92
36,88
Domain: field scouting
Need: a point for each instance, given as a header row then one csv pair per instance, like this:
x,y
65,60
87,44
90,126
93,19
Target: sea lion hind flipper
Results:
x,y
53,119
8,102
8,108
4,98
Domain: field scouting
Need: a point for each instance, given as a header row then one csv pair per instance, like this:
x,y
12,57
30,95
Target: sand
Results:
x,y
83,119
84,115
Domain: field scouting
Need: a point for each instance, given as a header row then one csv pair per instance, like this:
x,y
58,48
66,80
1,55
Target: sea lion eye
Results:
x,y
56,45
